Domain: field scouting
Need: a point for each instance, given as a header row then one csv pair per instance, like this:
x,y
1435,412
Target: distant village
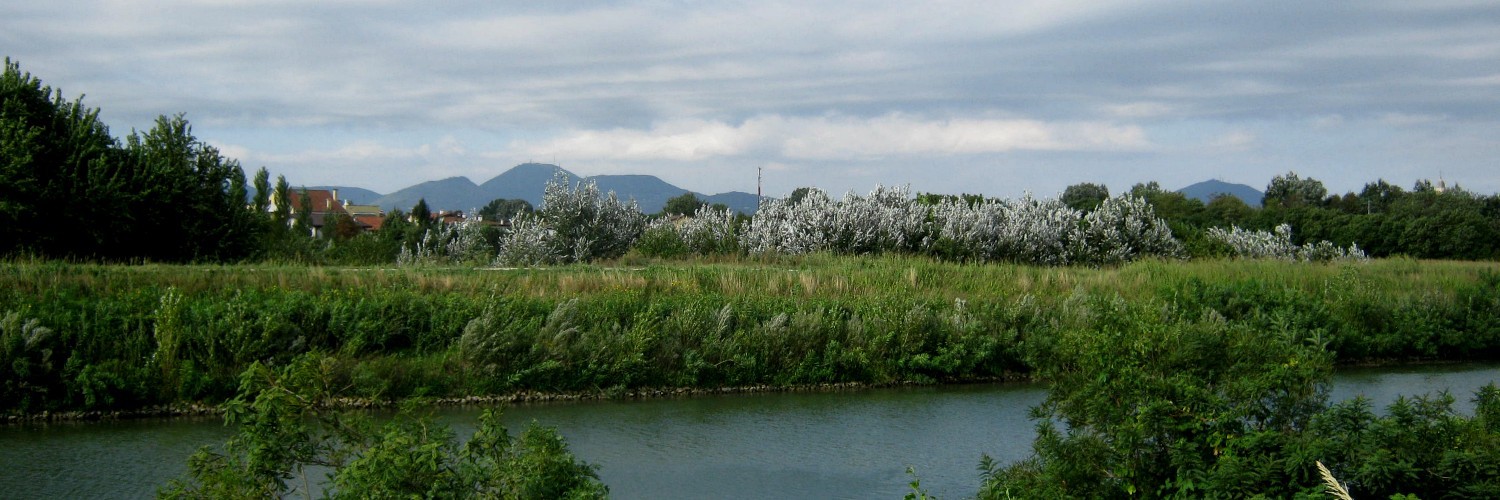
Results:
x,y
325,207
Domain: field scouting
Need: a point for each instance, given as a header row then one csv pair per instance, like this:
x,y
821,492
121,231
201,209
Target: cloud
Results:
x,y
1405,119
1078,87
1237,140
1142,109
839,138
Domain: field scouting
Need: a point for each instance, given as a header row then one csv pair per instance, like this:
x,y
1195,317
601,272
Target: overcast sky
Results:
x,y
998,98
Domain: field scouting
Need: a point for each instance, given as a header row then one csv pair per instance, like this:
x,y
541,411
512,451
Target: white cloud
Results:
x,y
1142,109
839,138
1237,140
1406,119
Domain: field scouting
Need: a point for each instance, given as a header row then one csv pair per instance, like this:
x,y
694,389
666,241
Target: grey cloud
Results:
x,y
548,71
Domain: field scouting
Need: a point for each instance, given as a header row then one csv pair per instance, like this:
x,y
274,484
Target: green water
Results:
x,y
853,444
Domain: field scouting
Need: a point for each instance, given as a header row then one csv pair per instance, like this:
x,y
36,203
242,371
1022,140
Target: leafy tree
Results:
x,y
683,205
421,214
285,427
262,202
304,217
60,172
1139,406
1226,210
189,201
1379,195
342,227
67,189
283,209
1291,191
1085,196
501,209
800,193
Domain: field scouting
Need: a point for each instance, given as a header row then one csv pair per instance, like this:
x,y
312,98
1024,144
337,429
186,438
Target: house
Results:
x,y
446,217
324,207
369,217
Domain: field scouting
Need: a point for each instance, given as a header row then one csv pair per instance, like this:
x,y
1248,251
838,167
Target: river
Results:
x,y
848,444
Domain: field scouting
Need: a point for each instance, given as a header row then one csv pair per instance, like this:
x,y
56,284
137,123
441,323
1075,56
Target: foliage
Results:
x,y
683,204
1085,196
575,224
708,231
69,190
1171,402
460,243
285,427
1027,230
1149,406
528,244
502,209
1419,444
129,337
1291,191
28,360
1278,245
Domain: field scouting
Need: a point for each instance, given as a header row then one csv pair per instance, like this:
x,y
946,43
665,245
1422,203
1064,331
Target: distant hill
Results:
x,y
527,181
745,203
648,191
453,193
1207,190
524,182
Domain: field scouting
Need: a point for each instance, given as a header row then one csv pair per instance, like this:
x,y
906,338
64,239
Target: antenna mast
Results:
x,y
758,171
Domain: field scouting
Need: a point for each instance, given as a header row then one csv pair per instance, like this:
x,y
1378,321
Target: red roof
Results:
x,y
371,222
322,200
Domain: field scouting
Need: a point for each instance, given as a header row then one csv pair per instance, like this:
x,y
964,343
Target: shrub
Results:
x,y
708,231
575,224
284,427
1278,244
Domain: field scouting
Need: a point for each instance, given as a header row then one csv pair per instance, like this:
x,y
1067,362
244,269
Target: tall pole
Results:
x,y
758,195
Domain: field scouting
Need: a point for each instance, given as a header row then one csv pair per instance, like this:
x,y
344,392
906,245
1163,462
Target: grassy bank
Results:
x,y
91,337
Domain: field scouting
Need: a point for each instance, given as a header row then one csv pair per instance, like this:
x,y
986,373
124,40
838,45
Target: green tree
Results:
x,y
285,425
61,177
1226,210
283,209
340,226
189,200
1085,196
304,221
1162,408
421,214
1291,191
1379,195
501,209
683,204
262,202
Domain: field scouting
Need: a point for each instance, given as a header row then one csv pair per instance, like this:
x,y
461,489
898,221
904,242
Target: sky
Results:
x,y
1000,98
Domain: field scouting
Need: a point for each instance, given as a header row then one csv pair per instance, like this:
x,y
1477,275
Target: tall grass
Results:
x,y
126,336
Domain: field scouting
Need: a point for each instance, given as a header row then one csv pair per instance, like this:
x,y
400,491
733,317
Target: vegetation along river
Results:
x,y
852,444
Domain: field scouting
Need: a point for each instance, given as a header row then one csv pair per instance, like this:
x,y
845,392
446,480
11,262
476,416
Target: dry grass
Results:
x,y
812,276
1331,484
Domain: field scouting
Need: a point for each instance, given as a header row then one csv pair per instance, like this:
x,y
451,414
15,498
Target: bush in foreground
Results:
x,y
285,427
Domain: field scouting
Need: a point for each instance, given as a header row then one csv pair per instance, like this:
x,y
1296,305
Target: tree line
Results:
x,y
70,190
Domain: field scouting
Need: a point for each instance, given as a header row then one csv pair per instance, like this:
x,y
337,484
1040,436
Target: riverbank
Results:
x,y
191,410
96,340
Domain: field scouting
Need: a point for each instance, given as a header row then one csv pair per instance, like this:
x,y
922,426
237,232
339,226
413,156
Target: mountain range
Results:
x,y
527,181
1206,191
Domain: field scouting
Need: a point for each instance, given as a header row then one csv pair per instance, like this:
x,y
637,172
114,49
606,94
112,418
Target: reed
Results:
x,y
766,320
